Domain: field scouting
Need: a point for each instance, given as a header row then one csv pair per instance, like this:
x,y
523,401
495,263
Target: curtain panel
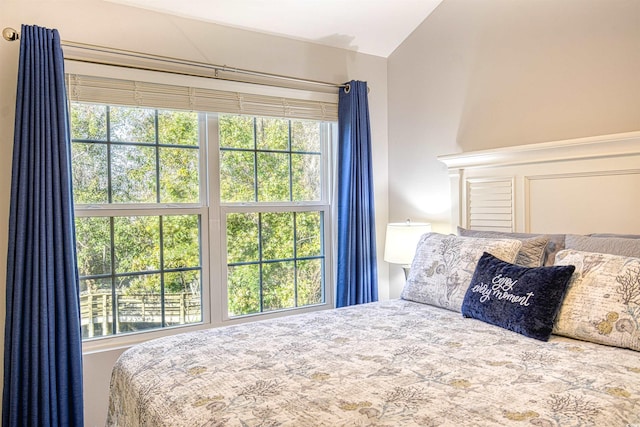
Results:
x,y
43,342
357,278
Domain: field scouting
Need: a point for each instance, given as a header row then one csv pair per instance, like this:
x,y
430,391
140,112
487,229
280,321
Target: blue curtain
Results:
x,y
357,268
42,339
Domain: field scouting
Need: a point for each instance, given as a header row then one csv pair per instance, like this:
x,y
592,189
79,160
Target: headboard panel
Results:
x,y
580,186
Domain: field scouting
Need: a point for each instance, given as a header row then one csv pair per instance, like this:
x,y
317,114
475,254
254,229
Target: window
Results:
x,y
147,184
137,190
274,203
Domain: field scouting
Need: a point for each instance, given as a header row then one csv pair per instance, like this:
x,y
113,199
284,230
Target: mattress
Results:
x,y
390,363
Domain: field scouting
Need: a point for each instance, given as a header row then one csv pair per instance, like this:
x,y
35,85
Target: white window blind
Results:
x,y
83,88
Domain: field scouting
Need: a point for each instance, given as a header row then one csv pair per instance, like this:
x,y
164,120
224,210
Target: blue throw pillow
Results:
x,y
525,300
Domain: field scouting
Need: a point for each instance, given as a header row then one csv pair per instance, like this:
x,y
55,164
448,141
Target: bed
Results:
x,y
499,324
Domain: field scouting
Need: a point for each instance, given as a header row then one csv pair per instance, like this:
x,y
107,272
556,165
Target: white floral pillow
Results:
x,y
444,264
602,304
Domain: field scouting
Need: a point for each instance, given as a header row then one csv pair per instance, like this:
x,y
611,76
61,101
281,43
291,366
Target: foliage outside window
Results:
x,y
143,204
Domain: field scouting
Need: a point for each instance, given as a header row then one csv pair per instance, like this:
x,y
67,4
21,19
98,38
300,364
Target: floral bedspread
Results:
x,y
392,363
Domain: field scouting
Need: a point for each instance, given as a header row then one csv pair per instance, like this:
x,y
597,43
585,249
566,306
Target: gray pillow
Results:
x,y
604,245
624,236
532,244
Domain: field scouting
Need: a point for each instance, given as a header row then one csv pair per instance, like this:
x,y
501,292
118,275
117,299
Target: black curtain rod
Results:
x,y
11,34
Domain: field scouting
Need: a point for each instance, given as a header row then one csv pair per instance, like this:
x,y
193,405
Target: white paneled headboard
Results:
x,y
580,186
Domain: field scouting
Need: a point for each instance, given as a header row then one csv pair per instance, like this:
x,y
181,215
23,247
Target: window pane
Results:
x,y
237,176
308,234
133,124
90,173
272,134
242,238
178,128
179,180
133,174
309,282
96,309
236,131
181,240
139,304
244,289
306,177
88,122
305,136
277,235
137,243
273,177
182,297
93,242
278,285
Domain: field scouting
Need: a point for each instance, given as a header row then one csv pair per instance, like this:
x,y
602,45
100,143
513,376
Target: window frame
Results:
x,y
219,212
85,210
214,298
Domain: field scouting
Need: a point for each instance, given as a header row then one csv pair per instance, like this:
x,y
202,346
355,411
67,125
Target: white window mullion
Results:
x,y
119,212
217,284
205,221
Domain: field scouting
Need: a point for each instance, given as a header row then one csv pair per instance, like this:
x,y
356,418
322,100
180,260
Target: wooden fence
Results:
x,y
136,311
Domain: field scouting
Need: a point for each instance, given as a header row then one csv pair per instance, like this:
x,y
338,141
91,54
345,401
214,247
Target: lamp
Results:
x,y
401,241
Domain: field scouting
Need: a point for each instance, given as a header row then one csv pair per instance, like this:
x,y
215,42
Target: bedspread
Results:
x,y
391,363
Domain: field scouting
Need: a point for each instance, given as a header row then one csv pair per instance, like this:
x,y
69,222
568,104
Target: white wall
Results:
x,y
96,22
480,74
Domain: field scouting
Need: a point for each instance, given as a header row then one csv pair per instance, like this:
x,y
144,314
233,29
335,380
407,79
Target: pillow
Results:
x,y
602,304
625,236
522,299
604,245
532,252
530,248
444,264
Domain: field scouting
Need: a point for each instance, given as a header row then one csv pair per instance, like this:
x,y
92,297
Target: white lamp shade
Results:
x,y
401,241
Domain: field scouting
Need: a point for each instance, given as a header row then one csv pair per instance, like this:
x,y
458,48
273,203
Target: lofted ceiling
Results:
x,y
375,27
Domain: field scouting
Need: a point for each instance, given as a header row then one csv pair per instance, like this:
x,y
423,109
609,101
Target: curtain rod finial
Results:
x,y
10,34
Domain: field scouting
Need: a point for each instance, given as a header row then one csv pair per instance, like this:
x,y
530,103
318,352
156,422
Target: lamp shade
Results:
x,y
402,239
